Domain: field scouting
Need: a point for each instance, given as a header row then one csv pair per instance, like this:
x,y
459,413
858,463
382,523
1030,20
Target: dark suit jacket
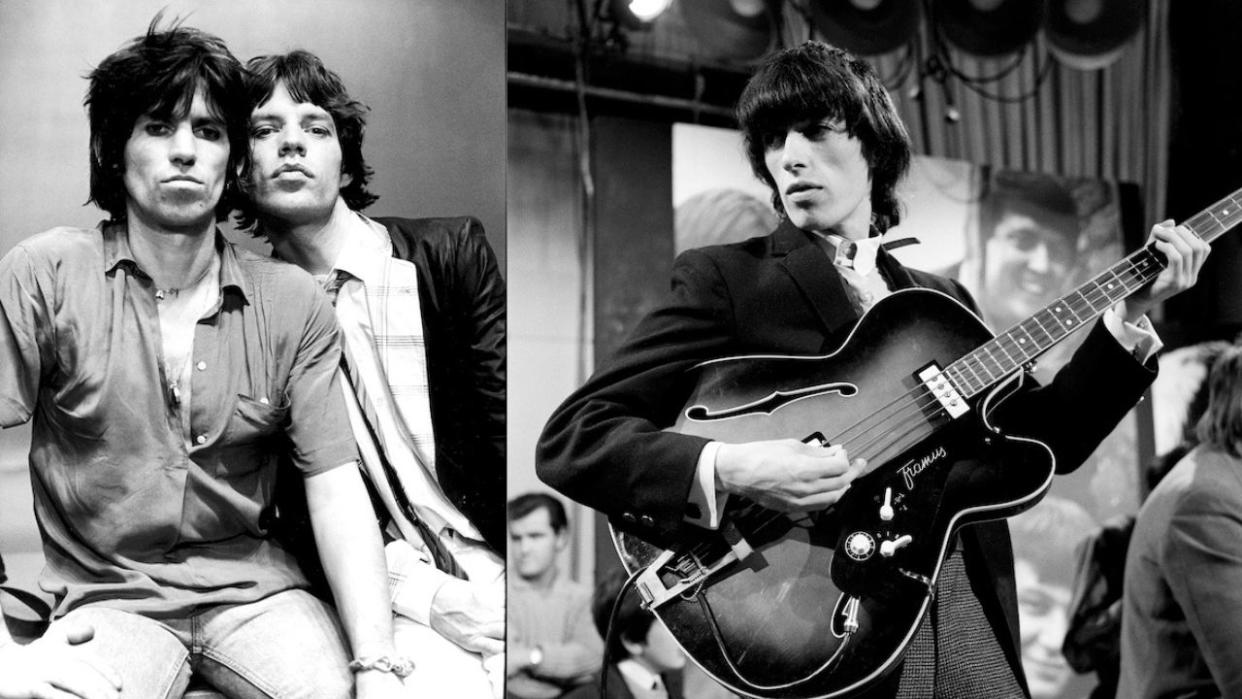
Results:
x,y
1180,630
462,299
618,689
605,446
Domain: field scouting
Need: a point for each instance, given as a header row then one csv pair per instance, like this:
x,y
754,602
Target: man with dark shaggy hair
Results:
x,y
421,306
165,371
822,132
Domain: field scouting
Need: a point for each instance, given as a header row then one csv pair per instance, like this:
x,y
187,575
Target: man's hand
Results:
x,y
786,474
470,615
52,666
1185,253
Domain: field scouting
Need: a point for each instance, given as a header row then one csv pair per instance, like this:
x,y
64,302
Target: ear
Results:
x,y
634,648
346,179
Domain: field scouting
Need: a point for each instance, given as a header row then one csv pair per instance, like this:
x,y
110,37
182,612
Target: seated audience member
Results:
x,y
552,645
1181,622
165,372
644,661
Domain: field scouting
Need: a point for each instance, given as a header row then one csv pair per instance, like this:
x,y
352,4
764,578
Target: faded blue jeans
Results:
x,y
285,646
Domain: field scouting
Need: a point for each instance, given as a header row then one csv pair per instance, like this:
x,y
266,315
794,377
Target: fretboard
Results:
x,y
1011,350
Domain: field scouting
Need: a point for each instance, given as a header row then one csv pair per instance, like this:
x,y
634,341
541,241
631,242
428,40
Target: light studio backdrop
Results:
x,y
432,72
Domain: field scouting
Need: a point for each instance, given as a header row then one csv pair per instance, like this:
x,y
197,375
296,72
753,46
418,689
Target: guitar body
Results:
x,y
810,606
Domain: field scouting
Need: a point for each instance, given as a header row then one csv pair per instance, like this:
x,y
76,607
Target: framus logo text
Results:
x,y
914,468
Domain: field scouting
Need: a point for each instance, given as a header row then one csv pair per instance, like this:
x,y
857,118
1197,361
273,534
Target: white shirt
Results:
x,y
379,279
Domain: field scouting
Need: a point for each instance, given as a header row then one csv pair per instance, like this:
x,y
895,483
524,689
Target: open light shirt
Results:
x,y
132,513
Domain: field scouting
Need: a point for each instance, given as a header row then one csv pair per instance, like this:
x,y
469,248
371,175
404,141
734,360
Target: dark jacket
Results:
x,y
462,298
605,446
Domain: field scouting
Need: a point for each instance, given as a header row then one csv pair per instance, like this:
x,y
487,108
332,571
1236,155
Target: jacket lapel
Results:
x,y
814,275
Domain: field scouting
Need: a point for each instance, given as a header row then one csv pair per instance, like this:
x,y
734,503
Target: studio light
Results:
x,y
638,14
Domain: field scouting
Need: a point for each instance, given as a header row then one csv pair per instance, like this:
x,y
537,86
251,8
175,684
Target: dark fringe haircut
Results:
x,y
632,621
308,80
159,74
1221,424
816,81
527,503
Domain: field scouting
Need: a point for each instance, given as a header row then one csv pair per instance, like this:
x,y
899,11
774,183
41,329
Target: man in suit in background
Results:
x,y
1181,620
822,132
421,305
644,660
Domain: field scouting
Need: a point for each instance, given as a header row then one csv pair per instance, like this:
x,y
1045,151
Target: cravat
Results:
x,y
444,559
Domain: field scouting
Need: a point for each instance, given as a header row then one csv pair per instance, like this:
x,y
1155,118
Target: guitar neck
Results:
x,y
1011,350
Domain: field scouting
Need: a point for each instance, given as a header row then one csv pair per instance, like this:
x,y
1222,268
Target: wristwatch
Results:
x,y
536,656
399,666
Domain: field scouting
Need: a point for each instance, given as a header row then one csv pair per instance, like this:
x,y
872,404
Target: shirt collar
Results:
x,y
637,675
367,251
862,258
117,252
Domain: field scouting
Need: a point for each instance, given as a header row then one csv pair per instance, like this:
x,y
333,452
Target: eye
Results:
x,y
209,133
321,131
262,131
156,128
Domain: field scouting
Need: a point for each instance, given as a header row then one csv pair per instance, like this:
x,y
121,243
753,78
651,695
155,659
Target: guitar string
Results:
x,y
906,414
750,507
898,413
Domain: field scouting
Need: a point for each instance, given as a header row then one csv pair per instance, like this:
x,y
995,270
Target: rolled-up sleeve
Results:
x,y
24,327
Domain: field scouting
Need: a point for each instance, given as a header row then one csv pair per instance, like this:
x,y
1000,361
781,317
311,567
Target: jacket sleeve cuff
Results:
x,y
413,581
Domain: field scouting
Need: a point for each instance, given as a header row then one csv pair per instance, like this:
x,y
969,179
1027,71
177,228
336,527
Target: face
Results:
x,y
175,169
1043,615
534,544
823,179
1027,262
660,653
295,175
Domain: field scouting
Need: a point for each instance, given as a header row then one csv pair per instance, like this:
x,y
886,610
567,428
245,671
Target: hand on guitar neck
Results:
x,y
1185,253
785,474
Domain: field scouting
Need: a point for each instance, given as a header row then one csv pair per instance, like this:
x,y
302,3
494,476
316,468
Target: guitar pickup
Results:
x,y
686,572
944,391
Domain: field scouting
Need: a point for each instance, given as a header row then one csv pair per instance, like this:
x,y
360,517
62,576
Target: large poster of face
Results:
x,y
1017,241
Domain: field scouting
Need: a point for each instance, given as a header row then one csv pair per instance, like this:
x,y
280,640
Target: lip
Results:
x,y
182,178
800,187
292,168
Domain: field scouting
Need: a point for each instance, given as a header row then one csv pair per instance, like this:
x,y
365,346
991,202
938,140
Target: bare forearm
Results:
x,y
352,555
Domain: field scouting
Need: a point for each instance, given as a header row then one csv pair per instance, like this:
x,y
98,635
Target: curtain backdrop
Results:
x,y
1108,124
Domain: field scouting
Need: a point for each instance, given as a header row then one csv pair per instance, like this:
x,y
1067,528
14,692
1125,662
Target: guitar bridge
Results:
x,y
686,573
945,393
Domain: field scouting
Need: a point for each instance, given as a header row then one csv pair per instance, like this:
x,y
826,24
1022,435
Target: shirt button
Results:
x,y
201,366
201,439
